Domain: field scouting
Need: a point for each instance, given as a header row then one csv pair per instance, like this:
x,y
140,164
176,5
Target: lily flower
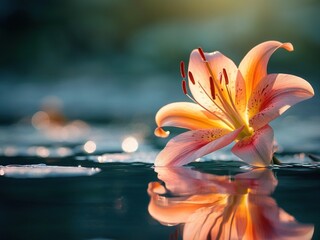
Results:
x,y
230,103
220,207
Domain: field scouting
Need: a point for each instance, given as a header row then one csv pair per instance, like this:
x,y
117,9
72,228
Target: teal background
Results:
x,y
119,59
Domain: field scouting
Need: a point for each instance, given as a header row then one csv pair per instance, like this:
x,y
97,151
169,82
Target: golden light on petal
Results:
x,y
90,146
130,144
42,152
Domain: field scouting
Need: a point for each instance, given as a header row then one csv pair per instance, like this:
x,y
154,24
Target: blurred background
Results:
x,y
81,82
118,60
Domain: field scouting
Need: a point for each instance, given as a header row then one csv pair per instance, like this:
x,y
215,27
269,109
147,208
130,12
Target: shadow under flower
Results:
x,y
210,206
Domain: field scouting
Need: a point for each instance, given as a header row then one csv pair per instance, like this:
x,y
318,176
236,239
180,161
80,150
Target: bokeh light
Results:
x,y
90,147
130,144
42,152
40,120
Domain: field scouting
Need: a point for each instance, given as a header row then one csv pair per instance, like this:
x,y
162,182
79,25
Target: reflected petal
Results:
x,y
260,181
247,213
168,212
272,222
186,181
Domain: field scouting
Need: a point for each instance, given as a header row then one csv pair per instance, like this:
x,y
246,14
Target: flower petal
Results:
x,y
241,220
260,181
205,222
167,212
185,115
271,222
254,65
240,95
183,181
256,150
201,89
274,95
191,145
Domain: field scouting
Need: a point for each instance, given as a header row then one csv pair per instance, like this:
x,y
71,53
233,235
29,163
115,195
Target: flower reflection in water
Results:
x,y
222,207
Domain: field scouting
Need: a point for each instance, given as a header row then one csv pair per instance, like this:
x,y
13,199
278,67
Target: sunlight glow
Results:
x,y
90,146
130,144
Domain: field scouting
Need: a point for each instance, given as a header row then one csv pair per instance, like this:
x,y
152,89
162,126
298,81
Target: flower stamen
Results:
x,y
213,92
229,106
221,108
185,91
229,111
182,70
226,79
220,78
191,78
202,54
184,87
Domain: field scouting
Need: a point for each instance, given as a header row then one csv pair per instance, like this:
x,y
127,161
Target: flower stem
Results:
x,y
275,160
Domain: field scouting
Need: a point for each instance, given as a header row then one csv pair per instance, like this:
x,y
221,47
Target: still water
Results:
x,y
137,201
79,181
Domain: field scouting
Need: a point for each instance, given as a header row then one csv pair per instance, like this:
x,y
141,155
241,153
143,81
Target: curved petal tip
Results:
x,y
288,46
159,132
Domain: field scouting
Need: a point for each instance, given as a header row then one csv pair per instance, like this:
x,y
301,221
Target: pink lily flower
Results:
x,y
215,207
230,104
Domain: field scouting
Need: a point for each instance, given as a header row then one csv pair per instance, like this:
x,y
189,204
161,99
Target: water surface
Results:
x,y
113,203
80,181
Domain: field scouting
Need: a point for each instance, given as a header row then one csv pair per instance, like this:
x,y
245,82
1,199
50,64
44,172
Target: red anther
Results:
x,y
220,78
184,87
191,78
226,79
182,70
202,54
212,89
